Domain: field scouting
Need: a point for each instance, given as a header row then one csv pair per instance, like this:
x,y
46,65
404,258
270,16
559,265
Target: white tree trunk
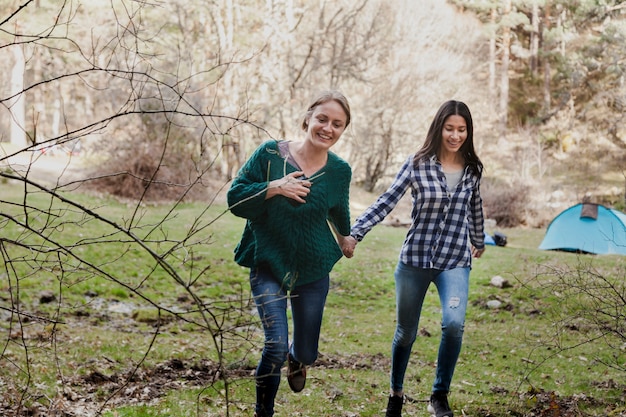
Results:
x,y
492,58
16,104
504,76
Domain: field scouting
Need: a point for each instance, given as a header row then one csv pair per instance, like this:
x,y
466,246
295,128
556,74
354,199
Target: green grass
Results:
x,y
511,355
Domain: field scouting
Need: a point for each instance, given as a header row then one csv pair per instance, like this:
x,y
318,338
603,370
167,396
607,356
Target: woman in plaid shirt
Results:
x,y
446,232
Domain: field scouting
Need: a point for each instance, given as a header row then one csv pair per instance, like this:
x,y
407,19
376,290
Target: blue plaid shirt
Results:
x,y
444,221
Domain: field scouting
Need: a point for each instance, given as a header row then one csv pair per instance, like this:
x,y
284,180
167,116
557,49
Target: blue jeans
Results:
x,y
307,307
411,287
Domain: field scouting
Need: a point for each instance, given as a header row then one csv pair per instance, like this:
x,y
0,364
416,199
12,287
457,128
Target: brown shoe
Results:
x,y
296,374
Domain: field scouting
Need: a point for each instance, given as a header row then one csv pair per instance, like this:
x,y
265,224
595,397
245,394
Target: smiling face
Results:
x,y
326,124
453,134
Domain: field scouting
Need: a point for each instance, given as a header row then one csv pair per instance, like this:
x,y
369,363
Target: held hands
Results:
x,y
348,243
290,186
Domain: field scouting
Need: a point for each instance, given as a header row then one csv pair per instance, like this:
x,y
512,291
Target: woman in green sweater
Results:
x,y
289,192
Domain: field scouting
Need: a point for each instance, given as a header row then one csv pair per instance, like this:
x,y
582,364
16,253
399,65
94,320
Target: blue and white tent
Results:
x,y
587,228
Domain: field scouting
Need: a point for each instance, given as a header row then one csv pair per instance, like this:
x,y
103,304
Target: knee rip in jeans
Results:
x,y
454,302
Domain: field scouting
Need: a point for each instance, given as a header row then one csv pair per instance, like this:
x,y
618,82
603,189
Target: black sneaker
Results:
x,y
296,374
394,406
438,405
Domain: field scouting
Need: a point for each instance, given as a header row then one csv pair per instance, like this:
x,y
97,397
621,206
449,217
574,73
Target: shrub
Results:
x,y
506,203
146,172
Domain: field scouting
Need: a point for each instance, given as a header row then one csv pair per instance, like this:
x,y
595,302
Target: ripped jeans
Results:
x,y
411,287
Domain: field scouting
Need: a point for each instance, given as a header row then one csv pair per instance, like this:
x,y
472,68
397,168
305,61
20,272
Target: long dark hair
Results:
x,y
432,144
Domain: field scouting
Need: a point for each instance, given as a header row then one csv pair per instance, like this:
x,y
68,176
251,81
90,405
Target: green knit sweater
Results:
x,y
293,239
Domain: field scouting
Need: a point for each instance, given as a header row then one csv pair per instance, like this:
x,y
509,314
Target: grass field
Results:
x,y
106,311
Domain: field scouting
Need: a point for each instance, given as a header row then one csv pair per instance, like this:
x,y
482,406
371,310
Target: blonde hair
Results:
x,y
325,97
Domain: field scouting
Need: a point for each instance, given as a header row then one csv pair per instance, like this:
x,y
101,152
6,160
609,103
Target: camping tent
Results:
x,y
588,228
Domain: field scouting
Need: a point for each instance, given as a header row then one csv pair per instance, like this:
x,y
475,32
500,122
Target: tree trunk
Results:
x,y
492,58
16,105
534,41
504,81
546,67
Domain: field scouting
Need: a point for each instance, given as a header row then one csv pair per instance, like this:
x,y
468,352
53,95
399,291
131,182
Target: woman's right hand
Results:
x,y
291,186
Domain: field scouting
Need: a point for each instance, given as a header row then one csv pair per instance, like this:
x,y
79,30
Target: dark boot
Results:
x,y
438,405
394,406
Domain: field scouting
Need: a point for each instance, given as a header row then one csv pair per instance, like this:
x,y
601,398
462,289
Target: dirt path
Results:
x,y
43,168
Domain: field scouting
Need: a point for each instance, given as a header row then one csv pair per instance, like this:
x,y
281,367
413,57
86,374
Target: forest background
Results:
x,y
155,105
544,79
